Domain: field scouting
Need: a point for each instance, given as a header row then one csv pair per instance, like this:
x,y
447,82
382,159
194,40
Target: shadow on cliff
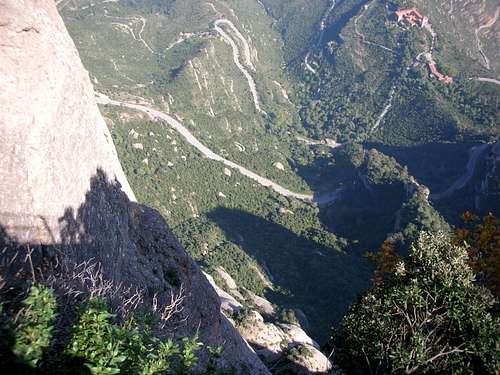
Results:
x,y
108,247
319,280
82,234
107,228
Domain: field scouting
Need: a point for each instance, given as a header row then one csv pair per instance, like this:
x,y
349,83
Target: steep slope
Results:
x,y
66,203
209,61
469,32
209,89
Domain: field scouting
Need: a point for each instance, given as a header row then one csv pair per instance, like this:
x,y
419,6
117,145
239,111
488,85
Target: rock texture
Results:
x,y
53,136
64,193
229,304
284,346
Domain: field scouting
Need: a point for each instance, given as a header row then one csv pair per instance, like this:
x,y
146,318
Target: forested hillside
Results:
x,y
332,107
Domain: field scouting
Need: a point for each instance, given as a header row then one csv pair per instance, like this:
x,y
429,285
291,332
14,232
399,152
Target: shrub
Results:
x,y
482,239
106,347
430,316
99,344
34,329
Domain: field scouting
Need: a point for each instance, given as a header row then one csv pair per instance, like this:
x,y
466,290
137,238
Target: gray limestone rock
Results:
x,y
64,194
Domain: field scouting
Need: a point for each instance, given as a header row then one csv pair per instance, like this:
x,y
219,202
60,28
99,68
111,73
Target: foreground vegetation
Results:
x,y
100,343
295,254
435,311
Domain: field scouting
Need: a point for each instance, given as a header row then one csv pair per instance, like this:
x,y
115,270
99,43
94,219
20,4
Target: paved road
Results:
x,y
191,139
487,25
246,47
236,58
475,152
491,80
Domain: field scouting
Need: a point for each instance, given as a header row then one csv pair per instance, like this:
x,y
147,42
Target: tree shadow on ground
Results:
x,y
363,212
320,281
325,174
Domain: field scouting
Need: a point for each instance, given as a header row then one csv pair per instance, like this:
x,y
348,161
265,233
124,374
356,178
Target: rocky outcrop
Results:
x,y
261,303
63,193
229,305
412,187
284,346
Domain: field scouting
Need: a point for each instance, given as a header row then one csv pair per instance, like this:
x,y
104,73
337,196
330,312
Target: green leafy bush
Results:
x,y
97,340
429,317
110,348
34,330
100,343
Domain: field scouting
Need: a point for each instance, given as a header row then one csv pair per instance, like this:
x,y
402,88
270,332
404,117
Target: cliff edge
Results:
x,y
66,202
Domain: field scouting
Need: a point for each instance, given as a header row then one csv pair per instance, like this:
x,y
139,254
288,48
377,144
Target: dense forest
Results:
x,y
392,275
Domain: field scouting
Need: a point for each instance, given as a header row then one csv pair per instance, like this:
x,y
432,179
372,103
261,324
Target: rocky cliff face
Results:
x,y
283,347
64,196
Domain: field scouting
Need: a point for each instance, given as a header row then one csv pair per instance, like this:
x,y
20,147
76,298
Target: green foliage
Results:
x,y
100,342
381,169
256,235
429,317
483,245
297,22
354,79
34,329
418,215
226,220
345,99
110,348
298,353
289,316
96,340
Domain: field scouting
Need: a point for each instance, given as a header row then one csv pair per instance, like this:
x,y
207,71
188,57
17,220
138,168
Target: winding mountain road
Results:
x,y
246,47
487,25
474,154
236,58
490,80
191,139
125,26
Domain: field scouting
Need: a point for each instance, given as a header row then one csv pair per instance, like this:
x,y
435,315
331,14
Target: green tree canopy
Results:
x,y
429,316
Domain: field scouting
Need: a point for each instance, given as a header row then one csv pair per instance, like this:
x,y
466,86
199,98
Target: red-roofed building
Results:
x,y
411,17
436,73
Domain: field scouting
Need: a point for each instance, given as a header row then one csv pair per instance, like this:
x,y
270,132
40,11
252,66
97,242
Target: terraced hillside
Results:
x,y
250,126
